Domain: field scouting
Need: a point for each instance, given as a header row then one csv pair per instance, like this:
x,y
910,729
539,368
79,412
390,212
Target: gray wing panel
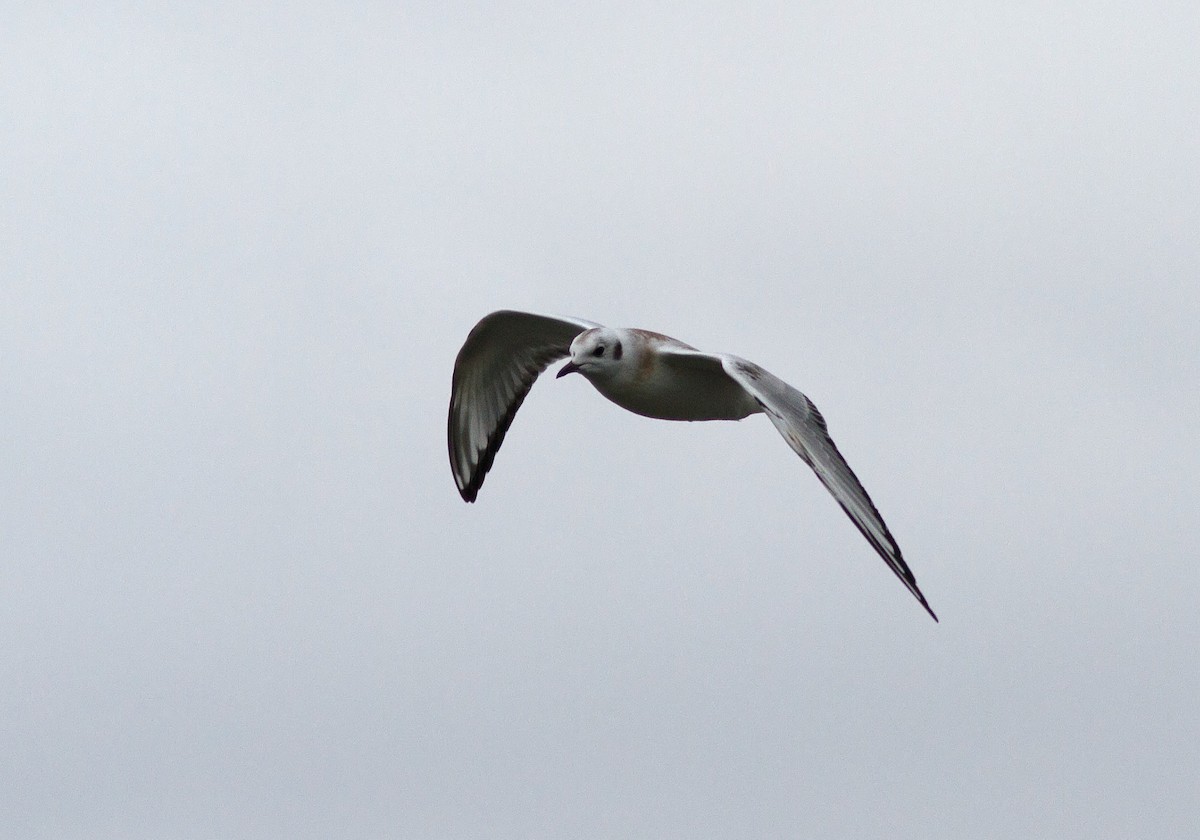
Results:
x,y
497,365
805,430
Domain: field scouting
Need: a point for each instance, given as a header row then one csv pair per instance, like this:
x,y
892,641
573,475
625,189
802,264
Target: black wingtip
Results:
x,y
470,490
912,585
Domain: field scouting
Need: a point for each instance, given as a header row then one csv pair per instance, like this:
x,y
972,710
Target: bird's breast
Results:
x,y
680,396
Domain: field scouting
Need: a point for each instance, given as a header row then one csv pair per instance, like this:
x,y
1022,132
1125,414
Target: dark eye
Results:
x,y
599,351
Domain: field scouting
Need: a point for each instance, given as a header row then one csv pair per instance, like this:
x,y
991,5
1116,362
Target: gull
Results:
x,y
649,374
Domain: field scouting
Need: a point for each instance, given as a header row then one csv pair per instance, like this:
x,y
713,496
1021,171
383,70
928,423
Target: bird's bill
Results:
x,y
569,367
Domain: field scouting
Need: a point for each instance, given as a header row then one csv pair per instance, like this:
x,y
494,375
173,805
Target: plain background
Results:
x,y
241,245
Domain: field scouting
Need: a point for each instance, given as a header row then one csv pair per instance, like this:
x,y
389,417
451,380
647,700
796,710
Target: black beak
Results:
x,y
569,367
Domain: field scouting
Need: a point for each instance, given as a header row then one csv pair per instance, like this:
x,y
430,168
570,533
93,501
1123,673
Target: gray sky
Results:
x,y
241,247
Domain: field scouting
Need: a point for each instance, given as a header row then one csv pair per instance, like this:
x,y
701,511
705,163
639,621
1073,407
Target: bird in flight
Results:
x,y
649,374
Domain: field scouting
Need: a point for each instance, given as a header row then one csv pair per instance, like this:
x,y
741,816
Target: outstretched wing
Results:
x,y
495,369
803,427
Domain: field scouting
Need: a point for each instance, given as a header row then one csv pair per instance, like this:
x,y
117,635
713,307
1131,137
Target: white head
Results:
x,y
596,353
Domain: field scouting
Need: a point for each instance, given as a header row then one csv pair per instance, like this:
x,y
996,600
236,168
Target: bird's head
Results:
x,y
596,353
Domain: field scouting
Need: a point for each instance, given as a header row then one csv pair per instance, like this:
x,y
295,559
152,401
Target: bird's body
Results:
x,y
649,374
653,383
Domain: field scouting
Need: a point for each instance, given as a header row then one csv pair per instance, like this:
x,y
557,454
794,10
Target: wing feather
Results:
x,y
805,430
497,365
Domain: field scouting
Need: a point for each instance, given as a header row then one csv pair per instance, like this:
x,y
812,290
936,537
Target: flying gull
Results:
x,y
649,374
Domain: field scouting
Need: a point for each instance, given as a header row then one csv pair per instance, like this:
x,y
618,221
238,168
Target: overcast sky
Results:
x,y
240,248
